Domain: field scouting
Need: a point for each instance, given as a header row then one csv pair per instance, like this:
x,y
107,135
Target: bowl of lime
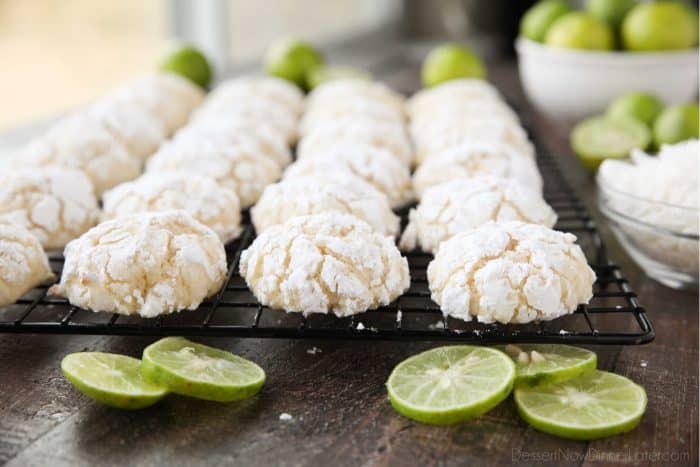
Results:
x,y
572,64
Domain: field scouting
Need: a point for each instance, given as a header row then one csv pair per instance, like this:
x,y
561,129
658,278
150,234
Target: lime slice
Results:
x,y
292,59
451,61
537,20
323,74
200,371
450,384
580,30
599,138
111,379
677,123
594,405
642,106
660,26
549,363
189,62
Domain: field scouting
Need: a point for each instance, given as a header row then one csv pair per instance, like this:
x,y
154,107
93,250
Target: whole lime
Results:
x,y
677,123
580,30
610,11
325,73
292,59
451,61
642,106
537,20
187,61
660,26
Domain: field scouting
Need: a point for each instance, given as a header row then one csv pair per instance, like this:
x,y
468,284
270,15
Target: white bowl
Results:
x,y
571,84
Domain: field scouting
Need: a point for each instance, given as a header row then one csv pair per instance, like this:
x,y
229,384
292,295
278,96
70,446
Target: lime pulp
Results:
x,y
450,384
549,363
200,371
599,138
595,405
111,379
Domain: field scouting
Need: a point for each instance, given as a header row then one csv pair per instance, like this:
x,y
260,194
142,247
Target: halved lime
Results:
x,y
111,379
325,73
200,371
549,363
450,384
187,61
599,138
594,405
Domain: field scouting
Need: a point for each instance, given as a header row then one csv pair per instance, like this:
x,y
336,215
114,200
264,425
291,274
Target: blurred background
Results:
x,y
60,53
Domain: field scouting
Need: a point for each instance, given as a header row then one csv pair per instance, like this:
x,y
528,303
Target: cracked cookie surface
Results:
x,y
457,206
324,263
202,197
23,264
339,192
476,159
510,272
146,264
55,204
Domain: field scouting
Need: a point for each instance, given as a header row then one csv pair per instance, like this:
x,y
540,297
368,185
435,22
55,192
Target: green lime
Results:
x,y
450,384
292,59
610,11
549,363
642,106
451,61
200,371
580,30
677,123
111,379
189,62
660,26
324,73
599,138
594,405
537,20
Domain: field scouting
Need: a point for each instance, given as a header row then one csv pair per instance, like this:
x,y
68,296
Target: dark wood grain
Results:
x,y
337,398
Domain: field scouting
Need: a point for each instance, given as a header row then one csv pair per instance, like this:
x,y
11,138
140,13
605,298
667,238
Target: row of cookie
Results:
x,y
353,157
52,185
326,232
482,214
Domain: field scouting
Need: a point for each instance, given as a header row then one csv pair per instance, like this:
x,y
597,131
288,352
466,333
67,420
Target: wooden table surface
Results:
x,y
336,397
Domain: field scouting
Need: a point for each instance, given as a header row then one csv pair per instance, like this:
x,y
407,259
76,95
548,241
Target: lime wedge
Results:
x,y
450,384
200,371
594,405
111,379
549,363
599,138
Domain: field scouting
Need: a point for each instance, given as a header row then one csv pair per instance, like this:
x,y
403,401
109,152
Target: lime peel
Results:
x,y
549,363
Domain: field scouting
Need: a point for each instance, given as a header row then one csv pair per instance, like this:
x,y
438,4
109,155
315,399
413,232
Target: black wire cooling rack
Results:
x,y
614,315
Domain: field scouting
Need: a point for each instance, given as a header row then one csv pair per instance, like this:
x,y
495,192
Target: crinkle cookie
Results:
x,y
23,264
324,263
168,97
440,137
241,167
137,129
389,136
374,165
510,272
208,202
339,192
146,264
238,130
79,142
349,89
463,204
356,108
254,110
429,123
451,92
476,159
55,204
270,88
